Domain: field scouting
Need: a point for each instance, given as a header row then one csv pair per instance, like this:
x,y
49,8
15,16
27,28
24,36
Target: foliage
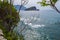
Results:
x,y
46,3
54,1
5,15
43,3
50,3
8,19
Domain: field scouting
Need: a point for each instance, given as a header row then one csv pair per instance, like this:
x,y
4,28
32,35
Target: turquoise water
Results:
x,y
40,25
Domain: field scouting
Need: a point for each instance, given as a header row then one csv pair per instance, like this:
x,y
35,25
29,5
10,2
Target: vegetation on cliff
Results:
x,y
9,19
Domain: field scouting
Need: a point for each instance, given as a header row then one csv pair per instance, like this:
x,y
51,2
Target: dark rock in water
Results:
x,y
32,8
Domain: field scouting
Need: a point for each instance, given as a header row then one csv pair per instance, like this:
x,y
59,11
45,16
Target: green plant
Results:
x,y
51,3
8,20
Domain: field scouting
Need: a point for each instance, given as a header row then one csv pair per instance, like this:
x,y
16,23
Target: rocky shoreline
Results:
x,y
1,35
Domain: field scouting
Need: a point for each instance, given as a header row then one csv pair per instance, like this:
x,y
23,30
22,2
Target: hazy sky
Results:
x,y
34,3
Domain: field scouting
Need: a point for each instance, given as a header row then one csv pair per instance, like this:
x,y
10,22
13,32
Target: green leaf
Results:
x,y
43,3
54,1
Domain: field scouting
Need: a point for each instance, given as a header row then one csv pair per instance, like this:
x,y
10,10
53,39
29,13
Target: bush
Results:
x,y
9,18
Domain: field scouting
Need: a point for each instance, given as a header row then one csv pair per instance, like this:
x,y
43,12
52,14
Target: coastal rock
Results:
x,y
1,35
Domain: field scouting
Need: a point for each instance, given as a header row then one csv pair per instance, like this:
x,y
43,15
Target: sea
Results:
x,y
39,25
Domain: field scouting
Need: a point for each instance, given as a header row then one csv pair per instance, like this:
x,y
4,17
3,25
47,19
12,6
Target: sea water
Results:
x,y
40,25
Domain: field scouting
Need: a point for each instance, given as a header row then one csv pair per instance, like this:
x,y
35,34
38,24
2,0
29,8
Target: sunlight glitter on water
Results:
x,y
29,22
36,25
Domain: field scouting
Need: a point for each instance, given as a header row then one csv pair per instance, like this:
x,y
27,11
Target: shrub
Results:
x,y
9,18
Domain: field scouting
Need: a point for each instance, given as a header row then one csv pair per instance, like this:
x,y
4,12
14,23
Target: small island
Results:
x,y
33,8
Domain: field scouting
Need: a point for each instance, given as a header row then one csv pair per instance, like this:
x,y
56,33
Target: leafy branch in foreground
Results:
x,y
51,3
9,19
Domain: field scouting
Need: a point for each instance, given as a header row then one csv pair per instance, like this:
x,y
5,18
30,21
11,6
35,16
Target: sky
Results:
x,y
34,3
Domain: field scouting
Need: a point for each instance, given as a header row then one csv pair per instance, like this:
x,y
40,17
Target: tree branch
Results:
x,y
53,5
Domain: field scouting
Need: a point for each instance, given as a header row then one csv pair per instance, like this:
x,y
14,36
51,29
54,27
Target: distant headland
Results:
x,y
33,8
